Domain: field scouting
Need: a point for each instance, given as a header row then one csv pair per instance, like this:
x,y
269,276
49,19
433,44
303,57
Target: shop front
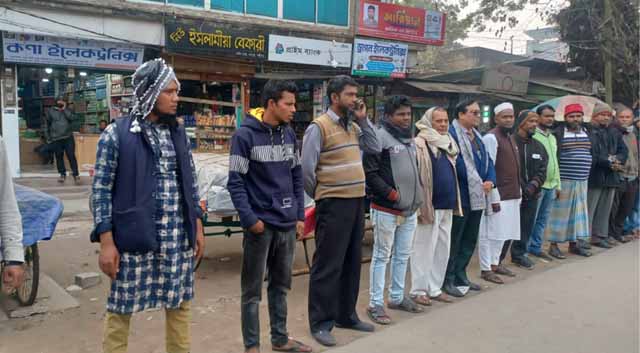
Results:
x,y
215,64
91,77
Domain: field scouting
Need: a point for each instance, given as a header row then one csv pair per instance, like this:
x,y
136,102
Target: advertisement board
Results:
x,y
379,59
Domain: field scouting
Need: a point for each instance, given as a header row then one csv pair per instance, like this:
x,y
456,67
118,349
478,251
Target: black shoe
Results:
x,y
325,338
62,178
584,244
452,290
359,326
555,252
576,250
474,286
541,255
602,244
524,262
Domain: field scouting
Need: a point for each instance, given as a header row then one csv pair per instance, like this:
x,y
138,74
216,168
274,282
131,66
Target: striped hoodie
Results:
x,y
265,175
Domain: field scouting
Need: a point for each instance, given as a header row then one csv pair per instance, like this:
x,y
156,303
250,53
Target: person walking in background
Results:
x,y
569,220
393,184
334,176
609,156
476,176
147,213
264,169
551,186
58,134
625,195
501,219
437,152
533,159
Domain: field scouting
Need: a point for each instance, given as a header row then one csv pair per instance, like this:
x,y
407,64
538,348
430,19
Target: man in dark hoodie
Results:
x,y
393,184
265,183
609,156
533,159
57,132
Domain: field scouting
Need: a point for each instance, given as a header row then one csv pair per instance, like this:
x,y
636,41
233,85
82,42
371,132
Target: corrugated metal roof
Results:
x,y
464,88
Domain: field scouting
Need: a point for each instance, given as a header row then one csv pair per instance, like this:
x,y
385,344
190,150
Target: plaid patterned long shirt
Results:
x,y
161,279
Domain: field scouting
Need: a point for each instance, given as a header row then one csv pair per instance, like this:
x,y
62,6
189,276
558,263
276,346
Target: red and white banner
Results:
x,y
408,24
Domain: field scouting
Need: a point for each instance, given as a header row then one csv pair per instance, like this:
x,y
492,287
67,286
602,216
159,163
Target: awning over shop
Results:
x,y
464,89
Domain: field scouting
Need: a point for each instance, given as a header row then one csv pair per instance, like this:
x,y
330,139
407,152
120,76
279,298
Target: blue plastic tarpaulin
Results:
x,y
40,213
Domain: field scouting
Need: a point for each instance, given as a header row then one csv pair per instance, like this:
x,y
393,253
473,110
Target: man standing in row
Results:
x,y
532,159
626,194
609,156
394,186
147,212
476,176
265,183
500,222
334,176
437,153
551,187
569,220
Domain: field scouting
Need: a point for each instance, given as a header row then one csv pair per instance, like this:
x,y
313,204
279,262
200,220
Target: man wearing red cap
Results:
x,y
609,156
569,221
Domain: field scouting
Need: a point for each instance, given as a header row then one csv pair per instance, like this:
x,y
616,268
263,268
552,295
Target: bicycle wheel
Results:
x,y
26,294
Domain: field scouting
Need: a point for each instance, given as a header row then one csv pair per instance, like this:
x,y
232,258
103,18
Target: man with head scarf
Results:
x,y
502,223
146,212
624,198
393,185
609,156
569,220
532,161
476,176
437,152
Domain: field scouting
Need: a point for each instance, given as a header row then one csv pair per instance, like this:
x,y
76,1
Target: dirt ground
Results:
x,y
216,308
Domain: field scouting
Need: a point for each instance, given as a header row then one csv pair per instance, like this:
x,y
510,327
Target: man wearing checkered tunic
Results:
x,y
146,213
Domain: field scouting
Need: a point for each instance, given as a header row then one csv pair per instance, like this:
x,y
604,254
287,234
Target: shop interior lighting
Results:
x,y
48,70
83,73
45,80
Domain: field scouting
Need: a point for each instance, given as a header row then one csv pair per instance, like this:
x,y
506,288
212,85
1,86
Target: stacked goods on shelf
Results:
x,y
121,96
214,132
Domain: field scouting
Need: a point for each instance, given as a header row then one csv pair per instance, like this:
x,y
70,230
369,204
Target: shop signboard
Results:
x,y
379,59
407,24
309,51
208,38
506,78
46,50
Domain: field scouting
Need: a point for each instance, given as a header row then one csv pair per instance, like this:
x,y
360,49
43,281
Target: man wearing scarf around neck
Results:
x,y
146,212
437,153
476,177
393,184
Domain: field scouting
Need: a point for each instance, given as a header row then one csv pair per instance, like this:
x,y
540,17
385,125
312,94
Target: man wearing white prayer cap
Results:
x,y
500,223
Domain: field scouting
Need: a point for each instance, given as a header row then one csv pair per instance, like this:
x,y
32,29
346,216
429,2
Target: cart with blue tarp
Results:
x,y
40,214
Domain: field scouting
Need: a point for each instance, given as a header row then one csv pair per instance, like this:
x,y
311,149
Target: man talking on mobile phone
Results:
x,y
334,176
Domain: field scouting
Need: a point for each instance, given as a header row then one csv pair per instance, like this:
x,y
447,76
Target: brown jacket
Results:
x,y
507,166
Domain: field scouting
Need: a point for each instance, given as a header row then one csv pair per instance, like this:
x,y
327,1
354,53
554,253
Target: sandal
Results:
x,y
407,305
443,298
293,346
491,277
502,270
421,299
378,315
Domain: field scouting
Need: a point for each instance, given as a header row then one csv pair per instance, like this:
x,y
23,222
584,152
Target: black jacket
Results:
x,y
605,142
58,124
533,166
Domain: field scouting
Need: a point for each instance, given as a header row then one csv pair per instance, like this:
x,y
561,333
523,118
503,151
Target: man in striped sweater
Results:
x,y
569,221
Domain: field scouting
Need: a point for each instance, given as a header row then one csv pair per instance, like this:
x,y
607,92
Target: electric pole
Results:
x,y
608,65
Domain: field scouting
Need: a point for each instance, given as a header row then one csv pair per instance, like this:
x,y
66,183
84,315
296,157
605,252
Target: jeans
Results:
x,y
65,146
632,223
392,235
623,202
272,250
545,204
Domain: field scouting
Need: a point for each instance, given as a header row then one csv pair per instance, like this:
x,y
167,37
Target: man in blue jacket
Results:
x,y
477,177
265,182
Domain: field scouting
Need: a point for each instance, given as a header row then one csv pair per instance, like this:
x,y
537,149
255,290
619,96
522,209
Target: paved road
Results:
x,y
585,306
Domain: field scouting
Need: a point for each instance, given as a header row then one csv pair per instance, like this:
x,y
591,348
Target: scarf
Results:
x,y
403,135
434,139
477,198
149,80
